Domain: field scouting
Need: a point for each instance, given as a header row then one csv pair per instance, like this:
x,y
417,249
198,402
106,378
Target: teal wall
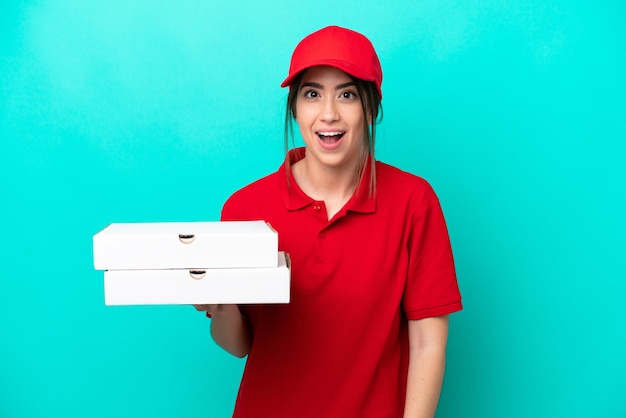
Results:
x,y
136,111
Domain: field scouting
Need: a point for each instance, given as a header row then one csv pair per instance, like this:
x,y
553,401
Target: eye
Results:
x,y
348,95
310,94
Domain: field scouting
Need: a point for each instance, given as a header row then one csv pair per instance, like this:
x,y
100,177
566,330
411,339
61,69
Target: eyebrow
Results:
x,y
319,86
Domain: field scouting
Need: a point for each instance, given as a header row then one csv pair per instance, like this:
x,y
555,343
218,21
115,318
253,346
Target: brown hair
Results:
x,y
372,109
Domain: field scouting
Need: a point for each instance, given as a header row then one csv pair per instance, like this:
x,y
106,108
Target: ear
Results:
x,y
368,115
368,112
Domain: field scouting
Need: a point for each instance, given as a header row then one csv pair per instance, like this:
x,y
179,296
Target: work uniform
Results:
x,y
340,347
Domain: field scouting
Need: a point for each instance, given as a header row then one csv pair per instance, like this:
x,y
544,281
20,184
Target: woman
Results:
x,y
373,277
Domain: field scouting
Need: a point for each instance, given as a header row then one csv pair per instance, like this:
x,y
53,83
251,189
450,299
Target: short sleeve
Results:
x,y
431,287
231,211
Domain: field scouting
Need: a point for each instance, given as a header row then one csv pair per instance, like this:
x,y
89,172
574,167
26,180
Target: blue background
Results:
x,y
142,111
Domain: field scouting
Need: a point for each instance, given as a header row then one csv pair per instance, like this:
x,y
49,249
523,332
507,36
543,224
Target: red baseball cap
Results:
x,y
337,47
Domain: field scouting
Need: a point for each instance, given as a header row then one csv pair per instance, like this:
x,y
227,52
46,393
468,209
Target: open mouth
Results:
x,y
330,137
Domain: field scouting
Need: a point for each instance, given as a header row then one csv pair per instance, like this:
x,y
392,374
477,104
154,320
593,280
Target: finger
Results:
x,y
208,308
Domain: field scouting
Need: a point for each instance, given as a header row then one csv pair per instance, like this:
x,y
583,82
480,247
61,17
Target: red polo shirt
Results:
x,y
340,347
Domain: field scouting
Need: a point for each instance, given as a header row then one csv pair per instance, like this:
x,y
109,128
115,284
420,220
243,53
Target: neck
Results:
x,y
325,183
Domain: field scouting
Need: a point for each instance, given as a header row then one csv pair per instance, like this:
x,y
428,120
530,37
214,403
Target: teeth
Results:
x,y
329,133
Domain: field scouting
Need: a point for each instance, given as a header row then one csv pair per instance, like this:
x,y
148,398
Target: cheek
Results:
x,y
358,123
303,122
303,114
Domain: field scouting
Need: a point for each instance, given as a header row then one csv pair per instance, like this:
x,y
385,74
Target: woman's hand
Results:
x,y
213,309
229,329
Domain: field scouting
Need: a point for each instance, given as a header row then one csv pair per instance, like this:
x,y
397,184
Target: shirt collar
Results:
x,y
361,201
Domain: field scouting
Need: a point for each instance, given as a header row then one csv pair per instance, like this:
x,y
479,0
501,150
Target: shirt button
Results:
x,y
317,208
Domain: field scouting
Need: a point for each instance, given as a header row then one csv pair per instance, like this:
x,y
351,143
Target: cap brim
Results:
x,y
341,65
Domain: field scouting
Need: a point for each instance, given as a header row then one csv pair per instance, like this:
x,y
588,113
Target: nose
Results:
x,y
329,111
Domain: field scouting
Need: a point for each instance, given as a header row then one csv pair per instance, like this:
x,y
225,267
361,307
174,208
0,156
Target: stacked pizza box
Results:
x,y
191,263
